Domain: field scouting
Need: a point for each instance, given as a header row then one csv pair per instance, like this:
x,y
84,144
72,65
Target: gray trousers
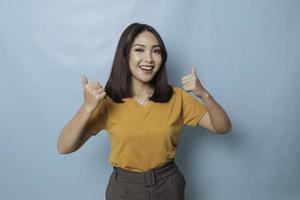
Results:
x,y
160,183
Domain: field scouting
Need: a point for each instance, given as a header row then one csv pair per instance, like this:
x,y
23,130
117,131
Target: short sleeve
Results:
x,y
98,118
192,109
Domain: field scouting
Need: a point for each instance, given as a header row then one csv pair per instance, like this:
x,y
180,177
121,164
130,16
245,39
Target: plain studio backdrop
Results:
x,y
246,55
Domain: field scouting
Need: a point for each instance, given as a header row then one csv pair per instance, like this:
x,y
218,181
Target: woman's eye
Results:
x,y
138,50
141,50
157,51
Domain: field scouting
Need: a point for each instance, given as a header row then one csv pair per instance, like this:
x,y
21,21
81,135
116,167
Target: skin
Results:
x,y
145,50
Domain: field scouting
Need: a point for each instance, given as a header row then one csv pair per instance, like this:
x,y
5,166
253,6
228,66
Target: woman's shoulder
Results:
x,y
177,92
176,89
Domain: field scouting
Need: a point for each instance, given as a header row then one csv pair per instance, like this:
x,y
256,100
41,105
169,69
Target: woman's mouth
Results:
x,y
146,68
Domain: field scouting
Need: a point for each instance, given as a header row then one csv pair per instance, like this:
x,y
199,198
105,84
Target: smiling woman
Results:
x,y
143,115
145,53
144,62
139,69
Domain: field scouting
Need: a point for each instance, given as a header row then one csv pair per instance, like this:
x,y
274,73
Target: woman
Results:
x,y
143,115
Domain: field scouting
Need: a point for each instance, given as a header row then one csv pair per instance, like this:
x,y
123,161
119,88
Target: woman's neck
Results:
x,y
141,90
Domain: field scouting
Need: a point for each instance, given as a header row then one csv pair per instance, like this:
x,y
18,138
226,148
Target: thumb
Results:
x,y
84,80
194,70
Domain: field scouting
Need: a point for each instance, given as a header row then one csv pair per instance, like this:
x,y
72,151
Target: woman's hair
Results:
x,y
119,83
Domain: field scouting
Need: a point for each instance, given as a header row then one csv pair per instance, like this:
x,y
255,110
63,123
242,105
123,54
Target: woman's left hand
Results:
x,y
192,83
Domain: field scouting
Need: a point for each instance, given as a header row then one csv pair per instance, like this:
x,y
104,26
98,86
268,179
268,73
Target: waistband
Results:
x,y
147,178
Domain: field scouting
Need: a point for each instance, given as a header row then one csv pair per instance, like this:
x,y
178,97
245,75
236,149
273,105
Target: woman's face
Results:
x,y
144,57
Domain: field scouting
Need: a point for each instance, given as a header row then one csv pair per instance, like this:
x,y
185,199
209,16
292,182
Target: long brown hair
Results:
x,y
119,83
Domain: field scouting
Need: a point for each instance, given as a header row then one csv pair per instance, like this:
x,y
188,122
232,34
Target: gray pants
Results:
x,y
159,183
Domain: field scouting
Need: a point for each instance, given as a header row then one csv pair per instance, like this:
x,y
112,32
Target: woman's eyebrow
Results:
x,y
156,45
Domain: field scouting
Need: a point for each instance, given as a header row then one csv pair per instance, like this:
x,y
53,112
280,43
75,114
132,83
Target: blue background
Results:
x,y
246,55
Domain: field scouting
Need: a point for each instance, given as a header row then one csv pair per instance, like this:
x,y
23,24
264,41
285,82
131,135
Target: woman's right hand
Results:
x,y
93,93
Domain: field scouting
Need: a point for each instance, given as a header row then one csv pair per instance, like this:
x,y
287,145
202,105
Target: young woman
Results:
x,y
143,115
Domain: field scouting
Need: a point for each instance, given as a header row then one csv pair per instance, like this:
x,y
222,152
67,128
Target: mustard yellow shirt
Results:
x,y
143,137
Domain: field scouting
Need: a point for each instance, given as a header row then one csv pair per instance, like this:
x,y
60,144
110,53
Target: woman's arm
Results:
x,y
72,133
215,120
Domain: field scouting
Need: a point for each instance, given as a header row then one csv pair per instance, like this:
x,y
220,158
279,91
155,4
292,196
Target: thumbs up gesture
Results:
x,y
93,92
192,83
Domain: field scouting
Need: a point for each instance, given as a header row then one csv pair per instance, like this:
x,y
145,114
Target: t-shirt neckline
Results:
x,y
138,105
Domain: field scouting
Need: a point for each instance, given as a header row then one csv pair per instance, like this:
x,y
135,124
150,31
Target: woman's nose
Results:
x,y
148,57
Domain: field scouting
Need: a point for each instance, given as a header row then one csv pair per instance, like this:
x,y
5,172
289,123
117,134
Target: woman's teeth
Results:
x,y
146,68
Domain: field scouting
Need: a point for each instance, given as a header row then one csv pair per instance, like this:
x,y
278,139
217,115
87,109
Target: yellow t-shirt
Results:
x,y
143,137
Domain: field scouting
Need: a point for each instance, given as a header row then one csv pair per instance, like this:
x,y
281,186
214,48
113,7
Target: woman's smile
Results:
x,y
146,68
